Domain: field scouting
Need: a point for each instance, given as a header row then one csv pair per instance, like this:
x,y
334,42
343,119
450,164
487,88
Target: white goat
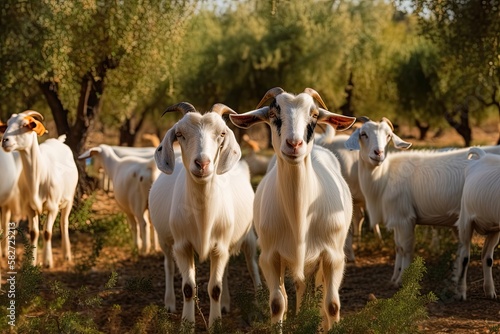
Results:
x,y
48,179
480,211
132,178
202,205
303,206
10,165
122,152
407,188
349,161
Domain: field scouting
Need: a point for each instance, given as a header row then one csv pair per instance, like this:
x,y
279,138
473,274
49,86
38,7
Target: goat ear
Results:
x,y
352,143
400,143
36,125
250,118
339,122
164,153
230,153
90,153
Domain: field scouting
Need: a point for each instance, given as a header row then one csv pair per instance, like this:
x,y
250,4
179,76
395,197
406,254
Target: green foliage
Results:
x,y
74,38
29,278
294,44
107,231
63,310
308,319
56,310
255,311
155,319
398,314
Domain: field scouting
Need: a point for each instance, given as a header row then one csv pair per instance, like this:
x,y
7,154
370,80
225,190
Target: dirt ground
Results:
x,y
369,275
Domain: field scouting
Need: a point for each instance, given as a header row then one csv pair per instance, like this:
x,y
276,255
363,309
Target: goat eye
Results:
x,y
364,135
223,134
272,114
178,134
314,114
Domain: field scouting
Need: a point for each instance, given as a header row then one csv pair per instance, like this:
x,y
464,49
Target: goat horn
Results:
x,y
34,114
272,93
184,107
315,95
363,119
384,119
222,109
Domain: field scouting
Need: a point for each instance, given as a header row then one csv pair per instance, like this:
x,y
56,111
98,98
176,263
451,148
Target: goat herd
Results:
x,y
192,193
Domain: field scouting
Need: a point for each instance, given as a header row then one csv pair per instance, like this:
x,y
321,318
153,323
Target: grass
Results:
x,y
57,308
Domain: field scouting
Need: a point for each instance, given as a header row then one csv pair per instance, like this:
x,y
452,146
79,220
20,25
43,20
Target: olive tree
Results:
x,y
72,52
467,34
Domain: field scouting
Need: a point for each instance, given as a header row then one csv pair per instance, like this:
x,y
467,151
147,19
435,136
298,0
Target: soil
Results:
x,y
368,277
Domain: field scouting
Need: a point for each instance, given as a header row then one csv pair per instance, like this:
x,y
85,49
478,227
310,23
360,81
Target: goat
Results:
x,y
349,166
121,151
303,206
202,205
479,211
48,178
132,178
407,188
10,165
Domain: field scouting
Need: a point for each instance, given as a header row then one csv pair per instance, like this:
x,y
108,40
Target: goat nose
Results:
x,y
379,152
202,164
294,143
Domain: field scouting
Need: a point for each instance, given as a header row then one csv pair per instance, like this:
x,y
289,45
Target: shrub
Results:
x,y
398,314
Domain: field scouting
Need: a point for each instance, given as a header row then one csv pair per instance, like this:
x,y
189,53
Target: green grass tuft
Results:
x,y
398,314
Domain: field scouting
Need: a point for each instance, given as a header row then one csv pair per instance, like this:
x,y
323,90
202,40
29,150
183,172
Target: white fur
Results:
x,y
407,188
349,161
303,206
48,179
132,177
121,151
202,203
10,165
480,211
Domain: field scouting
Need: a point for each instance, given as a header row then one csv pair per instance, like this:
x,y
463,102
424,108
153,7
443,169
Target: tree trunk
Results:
x,y
347,108
127,136
128,133
462,127
89,105
423,129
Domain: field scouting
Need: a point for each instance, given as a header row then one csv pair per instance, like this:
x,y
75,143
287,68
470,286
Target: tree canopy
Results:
x,y
426,62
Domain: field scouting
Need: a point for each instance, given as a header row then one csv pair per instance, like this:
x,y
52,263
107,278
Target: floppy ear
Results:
x,y
352,142
36,125
400,143
164,153
90,153
230,153
339,122
250,118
